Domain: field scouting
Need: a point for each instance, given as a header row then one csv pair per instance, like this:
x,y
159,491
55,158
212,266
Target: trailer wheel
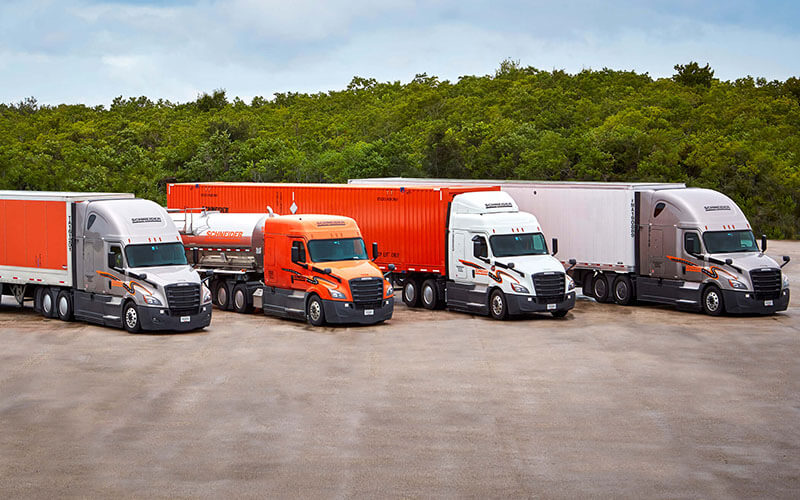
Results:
x,y
241,299
411,292
623,290
221,295
315,312
130,318
497,305
48,303
429,295
713,304
600,288
64,306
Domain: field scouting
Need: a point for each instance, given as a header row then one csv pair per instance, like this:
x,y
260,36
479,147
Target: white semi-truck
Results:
x,y
105,258
665,243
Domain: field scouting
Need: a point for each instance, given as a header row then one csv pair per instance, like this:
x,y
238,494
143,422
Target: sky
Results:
x,y
91,51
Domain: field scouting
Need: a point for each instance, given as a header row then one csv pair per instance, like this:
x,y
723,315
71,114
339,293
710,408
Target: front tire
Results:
x,y
130,318
315,312
429,295
64,306
623,290
241,299
411,292
497,305
713,304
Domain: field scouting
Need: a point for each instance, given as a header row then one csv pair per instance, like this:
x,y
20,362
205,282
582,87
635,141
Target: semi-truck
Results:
x,y
312,267
466,248
664,243
105,258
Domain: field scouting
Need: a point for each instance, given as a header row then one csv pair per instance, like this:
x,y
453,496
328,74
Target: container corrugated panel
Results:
x,y
33,234
409,224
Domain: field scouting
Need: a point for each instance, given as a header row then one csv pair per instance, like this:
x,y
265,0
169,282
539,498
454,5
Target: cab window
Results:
x,y
659,208
115,257
479,247
691,243
300,250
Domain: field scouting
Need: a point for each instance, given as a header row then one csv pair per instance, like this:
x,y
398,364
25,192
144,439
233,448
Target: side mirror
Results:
x,y
479,247
143,276
555,246
295,254
786,260
511,265
391,267
327,270
763,242
374,250
572,262
112,260
729,261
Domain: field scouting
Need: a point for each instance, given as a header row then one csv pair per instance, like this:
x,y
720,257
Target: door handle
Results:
x,y
473,273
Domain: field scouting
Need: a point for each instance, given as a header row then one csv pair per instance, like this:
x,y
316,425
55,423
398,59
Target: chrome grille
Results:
x,y
367,292
549,287
766,283
183,299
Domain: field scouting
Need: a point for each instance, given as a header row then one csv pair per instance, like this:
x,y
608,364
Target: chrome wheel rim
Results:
x,y
621,291
712,301
63,306
131,318
239,299
314,310
599,287
47,303
497,305
410,292
427,295
222,295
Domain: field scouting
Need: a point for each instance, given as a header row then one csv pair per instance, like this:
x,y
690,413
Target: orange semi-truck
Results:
x,y
312,267
467,248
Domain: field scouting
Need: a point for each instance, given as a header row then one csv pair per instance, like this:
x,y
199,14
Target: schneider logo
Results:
x,y
142,220
499,205
328,223
714,208
225,234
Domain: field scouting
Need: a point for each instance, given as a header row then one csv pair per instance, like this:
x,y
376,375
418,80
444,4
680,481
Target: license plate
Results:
x,y
185,319
551,307
369,312
767,303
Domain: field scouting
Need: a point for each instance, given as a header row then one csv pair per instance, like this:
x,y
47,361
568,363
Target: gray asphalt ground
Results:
x,y
612,401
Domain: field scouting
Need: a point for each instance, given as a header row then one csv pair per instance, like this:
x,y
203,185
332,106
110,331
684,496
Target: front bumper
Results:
x,y
337,311
520,304
737,302
151,318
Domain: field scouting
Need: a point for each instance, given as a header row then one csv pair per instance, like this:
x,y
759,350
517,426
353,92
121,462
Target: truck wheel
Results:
x,y
241,299
48,303
600,288
497,305
712,301
221,295
559,314
130,318
411,292
429,295
64,306
587,285
623,290
315,312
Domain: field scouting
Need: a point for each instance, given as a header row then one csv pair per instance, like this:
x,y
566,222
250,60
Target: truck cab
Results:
x,y
317,267
131,269
501,253
699,242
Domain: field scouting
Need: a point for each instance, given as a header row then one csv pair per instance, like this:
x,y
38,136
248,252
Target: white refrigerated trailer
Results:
x,y
666,243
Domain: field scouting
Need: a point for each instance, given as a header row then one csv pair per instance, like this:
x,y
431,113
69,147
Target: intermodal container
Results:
x,y
408,223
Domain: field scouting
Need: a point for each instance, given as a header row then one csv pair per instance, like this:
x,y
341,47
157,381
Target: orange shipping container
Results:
x,y
408,223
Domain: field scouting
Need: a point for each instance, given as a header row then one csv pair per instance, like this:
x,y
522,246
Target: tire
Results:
x,y
221,295
241,299
130,318
411,292
623,290
37,297
600,290
64,307
429,295
559,314
498,307
48,303
315,312
713,305
587,285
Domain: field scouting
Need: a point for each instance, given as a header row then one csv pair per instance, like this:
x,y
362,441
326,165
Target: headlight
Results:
x,y
737,285
389,291
785,281
336,294
519,288
570,283
206,295
153,301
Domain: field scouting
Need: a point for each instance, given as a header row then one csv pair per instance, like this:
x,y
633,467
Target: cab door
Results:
x,y
479,271
458,269
691,248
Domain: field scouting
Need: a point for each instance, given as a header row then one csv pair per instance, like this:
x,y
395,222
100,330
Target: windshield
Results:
x,y
509,245
163,254
730,241
339,249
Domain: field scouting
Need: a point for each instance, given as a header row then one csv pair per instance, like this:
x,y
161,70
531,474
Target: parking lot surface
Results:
x,y
610,401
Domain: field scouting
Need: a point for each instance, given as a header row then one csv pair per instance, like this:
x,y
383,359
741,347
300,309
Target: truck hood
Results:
x,y
532,264
747,261
168,275
350,269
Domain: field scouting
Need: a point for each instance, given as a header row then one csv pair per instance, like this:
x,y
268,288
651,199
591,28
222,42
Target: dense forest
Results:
x,y
741,137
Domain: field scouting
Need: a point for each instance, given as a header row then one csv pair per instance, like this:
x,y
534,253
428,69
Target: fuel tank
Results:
x,y
219,230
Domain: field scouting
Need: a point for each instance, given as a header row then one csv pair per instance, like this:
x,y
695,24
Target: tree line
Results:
x,y
740,137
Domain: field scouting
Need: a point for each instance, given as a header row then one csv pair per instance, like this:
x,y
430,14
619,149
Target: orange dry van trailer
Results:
x,y
468,248
312,267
